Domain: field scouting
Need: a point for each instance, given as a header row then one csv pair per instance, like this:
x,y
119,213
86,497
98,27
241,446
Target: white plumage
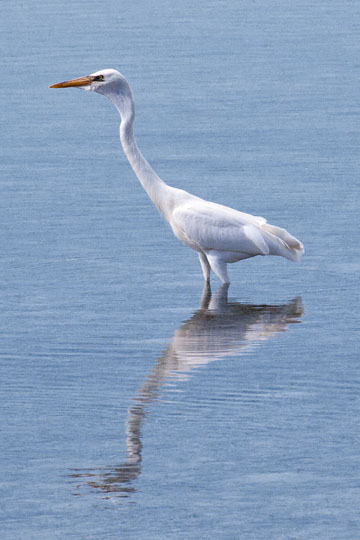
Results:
x,y
218,233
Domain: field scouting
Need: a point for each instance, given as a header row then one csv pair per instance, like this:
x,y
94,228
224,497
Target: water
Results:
x,y
134,404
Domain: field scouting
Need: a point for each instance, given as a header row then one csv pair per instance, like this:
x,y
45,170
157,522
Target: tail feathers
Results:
x,y
282,243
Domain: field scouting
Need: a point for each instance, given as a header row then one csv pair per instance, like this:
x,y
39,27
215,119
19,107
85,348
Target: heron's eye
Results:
x,y
99,78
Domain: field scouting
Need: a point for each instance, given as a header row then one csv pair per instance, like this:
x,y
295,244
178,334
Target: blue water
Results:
x,y
135,405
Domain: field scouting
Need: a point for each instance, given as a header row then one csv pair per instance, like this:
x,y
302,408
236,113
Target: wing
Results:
x,y
209,226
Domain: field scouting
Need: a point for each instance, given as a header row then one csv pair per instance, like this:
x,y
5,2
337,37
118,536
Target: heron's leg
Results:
x,y
206,296
218,265
205,266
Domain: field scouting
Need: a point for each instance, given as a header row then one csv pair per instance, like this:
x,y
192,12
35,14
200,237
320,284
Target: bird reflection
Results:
x,y
218,329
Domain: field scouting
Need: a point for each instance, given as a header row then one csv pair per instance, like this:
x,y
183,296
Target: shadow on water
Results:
x,y
218,329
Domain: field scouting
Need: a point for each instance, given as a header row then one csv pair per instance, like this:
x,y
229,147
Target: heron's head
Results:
x,y
111,84
104,81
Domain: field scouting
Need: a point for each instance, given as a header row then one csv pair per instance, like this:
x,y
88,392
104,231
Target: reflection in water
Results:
x,y
218,329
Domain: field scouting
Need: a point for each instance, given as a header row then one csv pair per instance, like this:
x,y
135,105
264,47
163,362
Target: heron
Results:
x,y
220,234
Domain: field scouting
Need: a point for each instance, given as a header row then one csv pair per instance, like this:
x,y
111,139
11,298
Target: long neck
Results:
x,y
158,191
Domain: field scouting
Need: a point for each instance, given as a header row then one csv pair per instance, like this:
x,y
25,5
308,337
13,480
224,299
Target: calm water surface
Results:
x,y
135,404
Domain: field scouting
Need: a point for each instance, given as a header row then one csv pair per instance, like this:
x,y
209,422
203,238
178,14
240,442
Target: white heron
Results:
x,y
219,234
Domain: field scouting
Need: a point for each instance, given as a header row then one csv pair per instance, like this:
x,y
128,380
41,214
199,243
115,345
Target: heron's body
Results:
x,y
218,233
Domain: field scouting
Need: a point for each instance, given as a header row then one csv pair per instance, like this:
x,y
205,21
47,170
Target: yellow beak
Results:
x,y
82,81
